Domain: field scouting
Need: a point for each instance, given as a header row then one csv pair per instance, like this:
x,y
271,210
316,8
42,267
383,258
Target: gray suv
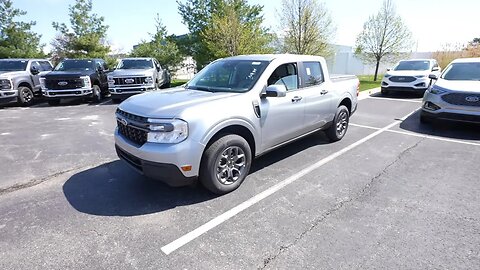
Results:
x,y
232,111
20,79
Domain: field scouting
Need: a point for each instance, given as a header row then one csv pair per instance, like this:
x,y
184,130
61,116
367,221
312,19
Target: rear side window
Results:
x,y
313,73
285,75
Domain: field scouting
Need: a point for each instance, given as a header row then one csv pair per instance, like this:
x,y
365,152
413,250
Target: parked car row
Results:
x,y
21,80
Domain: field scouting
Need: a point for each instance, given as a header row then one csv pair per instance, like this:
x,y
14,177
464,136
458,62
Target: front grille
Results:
x,y
130,80
401,79
462,99
65,93
61,84
132,133
132,117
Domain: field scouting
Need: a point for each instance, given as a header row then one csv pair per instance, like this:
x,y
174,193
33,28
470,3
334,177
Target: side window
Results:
x,y
285,75
36,65
313,73
45,66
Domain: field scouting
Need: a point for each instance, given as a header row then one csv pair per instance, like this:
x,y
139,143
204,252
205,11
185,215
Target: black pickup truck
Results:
x,y
76,78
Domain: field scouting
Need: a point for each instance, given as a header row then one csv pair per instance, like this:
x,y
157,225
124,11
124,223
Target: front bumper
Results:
x,y
162,162
419,85
130,90
8,96
68,93
447,111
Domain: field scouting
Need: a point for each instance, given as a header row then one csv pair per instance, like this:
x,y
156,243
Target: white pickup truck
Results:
x,y
232,111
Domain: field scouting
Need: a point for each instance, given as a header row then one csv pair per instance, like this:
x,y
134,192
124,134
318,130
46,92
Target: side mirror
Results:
x,y
34,70
436,69
276,91
433,77
388,69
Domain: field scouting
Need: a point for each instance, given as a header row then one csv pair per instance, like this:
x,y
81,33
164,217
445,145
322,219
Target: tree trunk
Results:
x,y
376,70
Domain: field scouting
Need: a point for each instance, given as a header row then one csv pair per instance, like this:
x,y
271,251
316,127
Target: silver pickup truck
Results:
x,y
232,111
136,75
19,79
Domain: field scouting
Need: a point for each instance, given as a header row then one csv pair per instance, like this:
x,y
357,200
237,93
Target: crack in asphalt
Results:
x,y
337,207
35,182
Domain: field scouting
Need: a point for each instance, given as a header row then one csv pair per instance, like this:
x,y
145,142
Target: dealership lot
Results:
x,y
392,194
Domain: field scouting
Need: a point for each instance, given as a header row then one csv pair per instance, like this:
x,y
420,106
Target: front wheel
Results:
x,y
25,96
225,164
337,131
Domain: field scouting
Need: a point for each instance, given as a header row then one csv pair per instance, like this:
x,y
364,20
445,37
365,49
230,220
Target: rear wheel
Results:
x,y
340,124
54,102
25,96
225,164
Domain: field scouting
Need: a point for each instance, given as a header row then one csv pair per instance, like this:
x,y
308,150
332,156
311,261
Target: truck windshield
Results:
x,y
67,65
235,76
13,65
462,72
413,65
135,64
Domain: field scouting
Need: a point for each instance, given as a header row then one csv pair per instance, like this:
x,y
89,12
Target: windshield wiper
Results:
x,y
200,88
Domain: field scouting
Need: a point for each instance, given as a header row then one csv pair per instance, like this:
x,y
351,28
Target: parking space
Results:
x,y
392,194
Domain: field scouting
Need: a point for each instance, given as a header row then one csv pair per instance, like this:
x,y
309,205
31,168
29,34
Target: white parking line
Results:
x,y
419,135
396,99
183,240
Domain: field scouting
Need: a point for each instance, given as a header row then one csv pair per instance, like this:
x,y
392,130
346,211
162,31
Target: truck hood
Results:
x,y
10,74
62,74
170,103
409,72
131,72
464,86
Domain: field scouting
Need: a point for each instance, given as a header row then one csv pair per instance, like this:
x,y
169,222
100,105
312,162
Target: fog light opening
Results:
x,y
431,106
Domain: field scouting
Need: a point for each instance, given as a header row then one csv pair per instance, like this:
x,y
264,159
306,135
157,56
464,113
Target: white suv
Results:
x,y
410,76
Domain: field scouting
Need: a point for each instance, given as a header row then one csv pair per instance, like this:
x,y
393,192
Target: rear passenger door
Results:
x,y
282,117
318,98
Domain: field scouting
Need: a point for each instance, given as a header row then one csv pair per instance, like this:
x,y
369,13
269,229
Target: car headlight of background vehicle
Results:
x,y
111,81
42,83
167,131
86,81
149,80
437,90
387,75
5,84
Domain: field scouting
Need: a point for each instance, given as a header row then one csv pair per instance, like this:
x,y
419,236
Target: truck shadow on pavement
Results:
x,y
446,129
114,189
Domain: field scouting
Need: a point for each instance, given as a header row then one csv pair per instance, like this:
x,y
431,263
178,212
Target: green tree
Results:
x,y
160,47
383,35
86,36
230,33
198,15
17,40
307,27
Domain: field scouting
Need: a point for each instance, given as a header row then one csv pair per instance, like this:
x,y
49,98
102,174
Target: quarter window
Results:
x,y
313,73
285,75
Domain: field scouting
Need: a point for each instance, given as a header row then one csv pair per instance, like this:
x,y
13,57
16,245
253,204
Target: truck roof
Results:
x,y
466,60
137,58
23,59
271,57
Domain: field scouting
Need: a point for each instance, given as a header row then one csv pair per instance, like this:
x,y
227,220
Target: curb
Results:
x,y
367,93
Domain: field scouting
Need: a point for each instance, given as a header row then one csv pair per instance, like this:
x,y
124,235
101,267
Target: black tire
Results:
x,y
384,91
225,153
54,102
25,96
96,94
425,119
339,128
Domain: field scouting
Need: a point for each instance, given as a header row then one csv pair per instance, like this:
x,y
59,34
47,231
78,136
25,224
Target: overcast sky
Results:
x,y
433,22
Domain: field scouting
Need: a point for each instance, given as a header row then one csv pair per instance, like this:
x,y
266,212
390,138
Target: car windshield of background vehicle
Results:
x,y
18,65
463,72
75,65
135,64
413,65
236,76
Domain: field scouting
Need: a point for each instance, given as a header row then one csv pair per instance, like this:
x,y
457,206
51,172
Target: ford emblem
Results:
x,y
62,83
472,99
129,81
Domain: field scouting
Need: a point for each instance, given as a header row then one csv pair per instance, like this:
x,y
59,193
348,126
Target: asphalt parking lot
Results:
x,y
393,194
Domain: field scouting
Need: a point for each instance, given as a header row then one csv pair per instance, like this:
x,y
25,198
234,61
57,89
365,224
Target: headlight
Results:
x,y
420,76
111,81
5,84
42,83
149,80
437,90
167,131
86,81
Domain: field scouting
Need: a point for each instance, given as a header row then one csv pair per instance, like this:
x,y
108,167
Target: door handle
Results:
x,y
296,99
324,92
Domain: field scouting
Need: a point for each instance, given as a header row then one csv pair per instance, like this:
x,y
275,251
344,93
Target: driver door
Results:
x,y
34,70
282,117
